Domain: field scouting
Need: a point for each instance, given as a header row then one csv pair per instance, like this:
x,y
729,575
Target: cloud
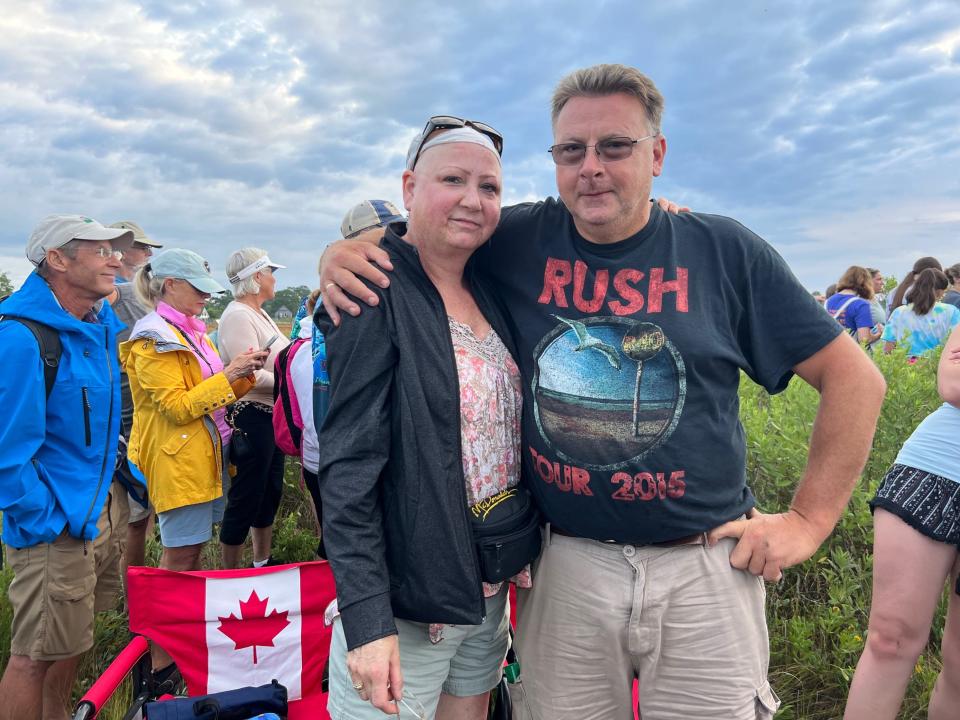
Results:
x,y
227,123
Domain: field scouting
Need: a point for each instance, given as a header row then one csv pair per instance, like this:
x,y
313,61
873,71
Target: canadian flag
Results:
x,y
232,628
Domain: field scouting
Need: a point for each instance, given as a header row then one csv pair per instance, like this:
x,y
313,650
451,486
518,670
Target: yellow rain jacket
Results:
x,y
174,440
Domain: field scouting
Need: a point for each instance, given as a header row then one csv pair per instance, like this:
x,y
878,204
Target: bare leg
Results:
x,y
57,686
473,707
262,538
175,558
136,544
22,688
231,555
908,574
946,693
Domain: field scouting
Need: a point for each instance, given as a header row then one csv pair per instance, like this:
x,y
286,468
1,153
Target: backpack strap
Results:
x,y
282,387
839,311
51,349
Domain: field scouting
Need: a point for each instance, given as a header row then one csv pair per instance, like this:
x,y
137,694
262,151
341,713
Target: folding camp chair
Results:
x,y
161,603
128,662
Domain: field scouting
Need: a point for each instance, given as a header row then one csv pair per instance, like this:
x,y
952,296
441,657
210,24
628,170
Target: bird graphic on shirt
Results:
x,y
586,341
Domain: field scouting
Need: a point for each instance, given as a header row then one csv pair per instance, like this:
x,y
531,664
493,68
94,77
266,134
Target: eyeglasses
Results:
x,y
446,122
105,253
609,150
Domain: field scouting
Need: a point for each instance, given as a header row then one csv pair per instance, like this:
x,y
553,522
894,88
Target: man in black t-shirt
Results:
x,y
632,327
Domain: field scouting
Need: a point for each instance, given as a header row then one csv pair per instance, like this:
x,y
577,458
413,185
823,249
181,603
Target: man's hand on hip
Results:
x,y
768,544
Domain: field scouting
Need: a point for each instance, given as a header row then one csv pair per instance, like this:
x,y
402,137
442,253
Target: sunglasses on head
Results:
x,y
448,122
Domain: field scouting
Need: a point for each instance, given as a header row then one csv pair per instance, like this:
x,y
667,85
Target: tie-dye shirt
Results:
x,y
921,333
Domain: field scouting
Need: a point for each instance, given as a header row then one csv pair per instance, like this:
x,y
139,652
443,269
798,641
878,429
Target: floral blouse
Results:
x,y
491,401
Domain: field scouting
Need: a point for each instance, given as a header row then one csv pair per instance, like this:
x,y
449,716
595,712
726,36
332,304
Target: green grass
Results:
x,y
817,615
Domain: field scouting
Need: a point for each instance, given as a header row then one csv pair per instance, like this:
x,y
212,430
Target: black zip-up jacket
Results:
x,y
395,523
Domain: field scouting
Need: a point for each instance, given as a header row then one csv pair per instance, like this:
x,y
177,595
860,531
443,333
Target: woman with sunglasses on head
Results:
x,y
180,389
419,452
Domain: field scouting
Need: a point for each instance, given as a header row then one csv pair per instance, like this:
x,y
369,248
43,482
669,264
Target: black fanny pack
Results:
x,y
506,528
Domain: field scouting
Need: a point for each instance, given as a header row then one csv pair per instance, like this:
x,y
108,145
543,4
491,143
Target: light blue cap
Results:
x,y
185,265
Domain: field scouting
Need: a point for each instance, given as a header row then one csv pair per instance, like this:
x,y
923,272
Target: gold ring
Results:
x,y
327,286
358,686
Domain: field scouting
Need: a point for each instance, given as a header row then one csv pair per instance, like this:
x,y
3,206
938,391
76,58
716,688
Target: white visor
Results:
x,y
253,268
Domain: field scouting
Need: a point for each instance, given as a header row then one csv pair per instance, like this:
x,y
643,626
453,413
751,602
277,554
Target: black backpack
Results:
x,y
48,340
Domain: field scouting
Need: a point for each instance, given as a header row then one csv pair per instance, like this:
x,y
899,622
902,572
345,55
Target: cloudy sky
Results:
x,y
831,128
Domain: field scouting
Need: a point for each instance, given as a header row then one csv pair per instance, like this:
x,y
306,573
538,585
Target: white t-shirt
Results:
x,y
301,373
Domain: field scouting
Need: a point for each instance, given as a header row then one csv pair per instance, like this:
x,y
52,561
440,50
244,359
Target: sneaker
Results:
x,y
271,562
165,681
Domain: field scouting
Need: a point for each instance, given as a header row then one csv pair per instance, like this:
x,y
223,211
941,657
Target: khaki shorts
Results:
x,y
684,622
138,512
57,587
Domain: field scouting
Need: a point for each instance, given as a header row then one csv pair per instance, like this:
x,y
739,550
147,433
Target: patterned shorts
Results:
x,y
928,503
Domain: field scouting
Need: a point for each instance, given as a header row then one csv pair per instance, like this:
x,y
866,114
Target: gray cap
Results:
x,y
139,236
55,231
368,214
185,265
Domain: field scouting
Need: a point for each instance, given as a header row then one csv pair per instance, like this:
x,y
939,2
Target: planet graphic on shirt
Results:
x,y
607,390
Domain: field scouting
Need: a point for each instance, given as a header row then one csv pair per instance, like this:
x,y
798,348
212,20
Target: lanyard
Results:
x,y
196,350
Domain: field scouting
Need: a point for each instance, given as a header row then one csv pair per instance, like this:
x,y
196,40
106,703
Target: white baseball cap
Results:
x,y
55,231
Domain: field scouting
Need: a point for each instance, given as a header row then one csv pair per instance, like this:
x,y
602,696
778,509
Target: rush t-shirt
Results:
x,y
631,356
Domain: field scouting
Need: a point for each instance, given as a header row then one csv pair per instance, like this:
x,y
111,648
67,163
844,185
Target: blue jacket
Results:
x,y
57,455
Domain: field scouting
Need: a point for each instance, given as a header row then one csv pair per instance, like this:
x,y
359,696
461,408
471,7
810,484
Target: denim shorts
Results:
x,y
190,524
193,524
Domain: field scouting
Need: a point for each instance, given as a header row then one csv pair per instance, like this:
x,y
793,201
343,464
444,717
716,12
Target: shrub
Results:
x,y
817,615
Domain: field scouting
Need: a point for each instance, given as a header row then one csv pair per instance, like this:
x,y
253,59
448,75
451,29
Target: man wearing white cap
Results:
x,y
58,446
139,252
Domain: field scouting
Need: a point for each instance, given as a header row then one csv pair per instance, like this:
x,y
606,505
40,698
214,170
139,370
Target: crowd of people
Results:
x,y
919,315
140,419
529,397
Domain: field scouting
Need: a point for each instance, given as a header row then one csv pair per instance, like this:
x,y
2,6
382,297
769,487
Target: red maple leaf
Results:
x,y
253,627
